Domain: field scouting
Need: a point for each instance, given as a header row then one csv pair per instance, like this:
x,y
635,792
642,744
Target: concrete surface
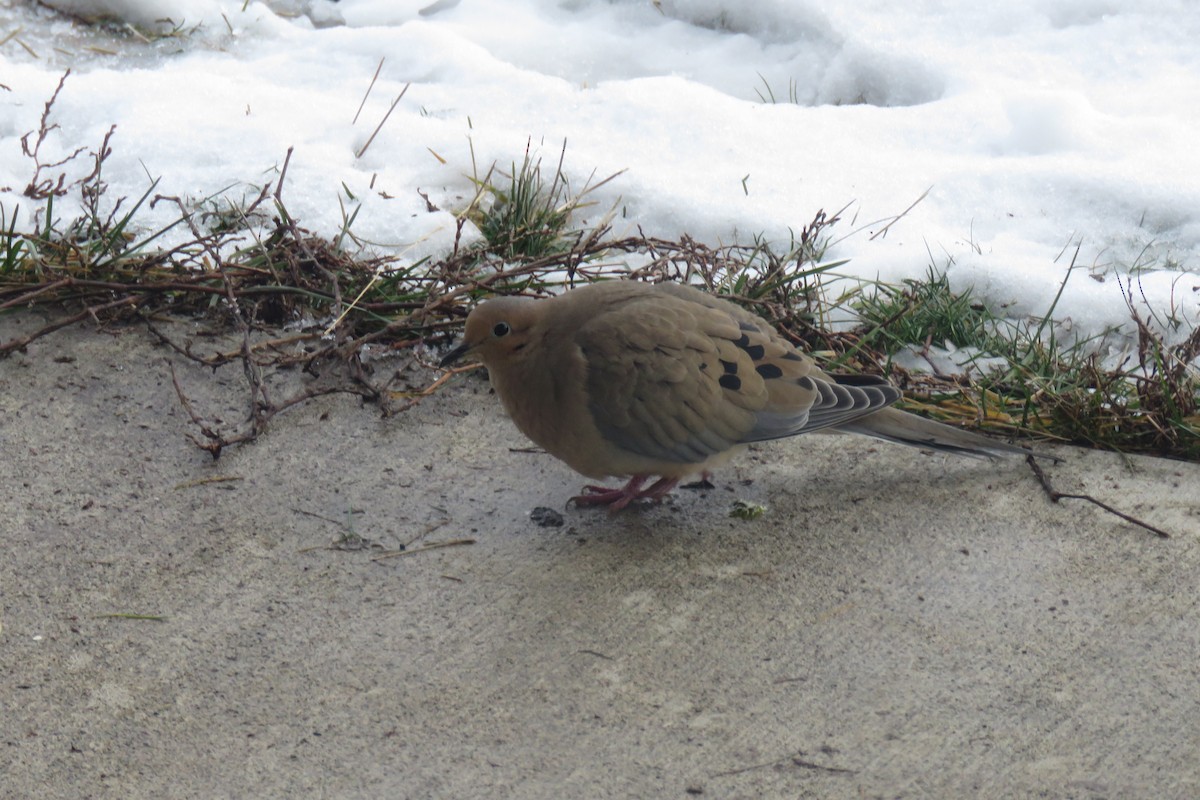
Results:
x,y
896,625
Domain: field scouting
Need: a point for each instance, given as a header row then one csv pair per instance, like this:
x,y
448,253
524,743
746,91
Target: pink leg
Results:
x,y
617,499
660,489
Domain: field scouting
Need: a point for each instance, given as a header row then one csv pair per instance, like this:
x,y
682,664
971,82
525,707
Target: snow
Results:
x,y
1040,129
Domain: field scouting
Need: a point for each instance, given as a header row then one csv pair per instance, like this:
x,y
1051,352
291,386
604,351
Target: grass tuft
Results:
x,y
530,216
925,312
1041,384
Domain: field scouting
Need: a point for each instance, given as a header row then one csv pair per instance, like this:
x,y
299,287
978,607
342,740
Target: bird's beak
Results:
x,y
455,354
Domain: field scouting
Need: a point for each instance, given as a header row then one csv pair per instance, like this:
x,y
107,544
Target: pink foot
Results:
x,y
616,499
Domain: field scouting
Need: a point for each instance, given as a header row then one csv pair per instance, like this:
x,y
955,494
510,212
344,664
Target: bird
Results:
x,y
628,379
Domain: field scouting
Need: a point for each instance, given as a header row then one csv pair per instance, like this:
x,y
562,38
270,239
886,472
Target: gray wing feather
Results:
x,y
837,403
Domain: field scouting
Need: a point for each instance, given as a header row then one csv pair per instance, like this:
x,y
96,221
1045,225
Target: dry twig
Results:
x,y
1056,495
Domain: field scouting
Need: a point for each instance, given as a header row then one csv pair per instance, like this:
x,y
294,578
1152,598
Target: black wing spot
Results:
x,y
755,351
730,382
792,356
748,327
729,366
806,383
769,371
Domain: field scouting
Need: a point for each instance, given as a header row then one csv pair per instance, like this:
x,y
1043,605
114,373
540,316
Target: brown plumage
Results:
x,y
623,378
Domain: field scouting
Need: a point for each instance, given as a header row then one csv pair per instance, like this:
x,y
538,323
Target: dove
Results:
x,y
625,379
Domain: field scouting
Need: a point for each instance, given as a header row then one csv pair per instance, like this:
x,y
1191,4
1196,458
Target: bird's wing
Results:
x,y
682,376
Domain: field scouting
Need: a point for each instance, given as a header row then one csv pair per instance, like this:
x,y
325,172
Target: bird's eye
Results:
x,y
501,329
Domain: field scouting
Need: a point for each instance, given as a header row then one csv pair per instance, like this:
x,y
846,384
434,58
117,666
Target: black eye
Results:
x,y
501,329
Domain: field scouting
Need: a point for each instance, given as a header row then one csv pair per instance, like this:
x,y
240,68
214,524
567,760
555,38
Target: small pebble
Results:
x,y
546,517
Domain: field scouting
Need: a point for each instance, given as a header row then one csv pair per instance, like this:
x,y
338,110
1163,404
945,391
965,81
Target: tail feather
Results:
x,y
897,426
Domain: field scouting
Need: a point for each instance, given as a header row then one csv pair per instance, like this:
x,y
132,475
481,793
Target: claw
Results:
x,y
617,499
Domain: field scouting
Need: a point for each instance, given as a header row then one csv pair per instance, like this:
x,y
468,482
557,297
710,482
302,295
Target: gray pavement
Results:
x,y
896,625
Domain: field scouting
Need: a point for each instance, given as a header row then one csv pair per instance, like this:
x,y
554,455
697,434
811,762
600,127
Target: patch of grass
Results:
x,y
1149,402
13,245
530,216
924,312
1061,389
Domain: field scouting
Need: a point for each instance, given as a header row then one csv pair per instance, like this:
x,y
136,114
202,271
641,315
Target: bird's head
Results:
x,y
496,331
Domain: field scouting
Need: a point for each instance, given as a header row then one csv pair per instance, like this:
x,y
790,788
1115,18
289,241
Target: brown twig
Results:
x,y
207,481
423,548
90,312
883,232
379,127
367,94
263,411
41,188
108,287
220,358
797,760
415,397
1056,495
214,444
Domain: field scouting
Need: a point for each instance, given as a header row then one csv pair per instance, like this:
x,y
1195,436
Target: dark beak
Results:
x,y
454,354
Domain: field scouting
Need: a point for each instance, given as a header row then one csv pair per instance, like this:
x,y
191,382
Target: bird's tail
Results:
x,y
897,426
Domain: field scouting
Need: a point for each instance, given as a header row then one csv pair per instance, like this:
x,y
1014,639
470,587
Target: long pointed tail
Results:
x,y
897,426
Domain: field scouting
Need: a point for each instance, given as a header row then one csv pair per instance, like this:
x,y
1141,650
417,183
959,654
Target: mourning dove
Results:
x,y
630,379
